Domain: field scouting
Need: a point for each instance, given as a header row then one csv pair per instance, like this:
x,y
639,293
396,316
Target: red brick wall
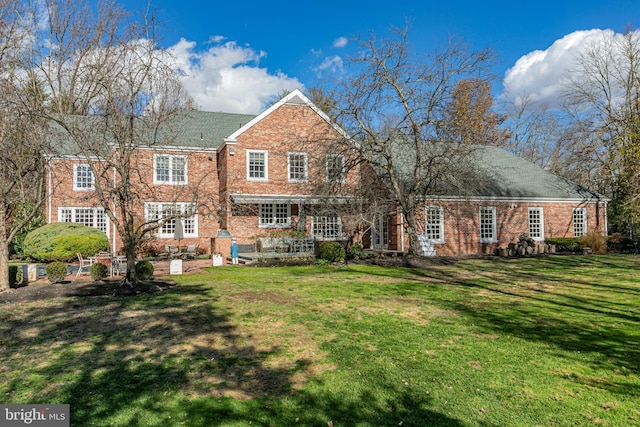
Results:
x,y
462,224
289,128
202,186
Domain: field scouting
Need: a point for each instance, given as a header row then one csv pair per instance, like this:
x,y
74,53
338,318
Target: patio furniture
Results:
x,y
118,265
84,263
106,259
173,251
190,252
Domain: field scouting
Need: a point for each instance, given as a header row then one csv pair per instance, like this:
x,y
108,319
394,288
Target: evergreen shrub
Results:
x,y
331,252
144,270
61,241
56,271
98,271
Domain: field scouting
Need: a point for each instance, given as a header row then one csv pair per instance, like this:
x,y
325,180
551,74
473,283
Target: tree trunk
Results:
x,y
130,253
412,233
4,252
4,263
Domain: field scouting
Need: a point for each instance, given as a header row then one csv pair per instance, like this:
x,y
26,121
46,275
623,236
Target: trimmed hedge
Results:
x,y
98,271
56,271
144,270
13,275
564,244
61,241
331,252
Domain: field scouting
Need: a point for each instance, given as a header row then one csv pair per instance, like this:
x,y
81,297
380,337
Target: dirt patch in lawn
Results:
x,y
43,290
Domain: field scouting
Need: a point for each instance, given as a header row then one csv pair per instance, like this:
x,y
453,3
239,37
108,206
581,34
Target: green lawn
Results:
x,y
551,341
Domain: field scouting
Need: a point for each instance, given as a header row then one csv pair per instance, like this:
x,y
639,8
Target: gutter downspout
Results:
x,y
49,190
402,232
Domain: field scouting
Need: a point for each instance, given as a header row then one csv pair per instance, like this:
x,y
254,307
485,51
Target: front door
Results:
x,y
380,233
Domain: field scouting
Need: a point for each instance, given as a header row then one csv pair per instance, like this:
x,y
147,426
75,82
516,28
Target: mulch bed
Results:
x,y
42,289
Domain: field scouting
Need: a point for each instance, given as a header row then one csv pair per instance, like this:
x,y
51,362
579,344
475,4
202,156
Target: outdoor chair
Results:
x,y
191,252
173,251
84,263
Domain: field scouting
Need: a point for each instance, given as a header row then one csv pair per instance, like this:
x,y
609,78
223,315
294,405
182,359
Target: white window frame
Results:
x,y
290,165
326,227
74,214
266,165
173,178
329,161
274,215
157,211
84,171
536,219
488,235
437,226
579,228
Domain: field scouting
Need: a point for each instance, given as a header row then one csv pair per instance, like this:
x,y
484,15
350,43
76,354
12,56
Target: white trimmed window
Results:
x,y
83,178
536,224
165,214
297,163
326,227
488,224
169,169
434,223
335,168
579,222
91,217
257,165
275,215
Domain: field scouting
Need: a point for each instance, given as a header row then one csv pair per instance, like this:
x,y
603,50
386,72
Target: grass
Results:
x,y
548,341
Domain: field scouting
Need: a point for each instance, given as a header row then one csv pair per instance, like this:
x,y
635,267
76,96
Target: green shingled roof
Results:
x,y
213,128
187,130
509,176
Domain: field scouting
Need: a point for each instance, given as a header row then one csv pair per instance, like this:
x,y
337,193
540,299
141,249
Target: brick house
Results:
x,y
509,196
252,175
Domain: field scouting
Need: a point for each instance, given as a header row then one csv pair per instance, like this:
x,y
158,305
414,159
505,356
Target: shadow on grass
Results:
x,y
172,358
552,300
568,302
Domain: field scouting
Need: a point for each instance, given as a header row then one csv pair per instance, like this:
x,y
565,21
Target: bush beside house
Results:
x,y
62,241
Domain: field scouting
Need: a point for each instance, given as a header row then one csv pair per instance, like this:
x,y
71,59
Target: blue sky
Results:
x,y
237,55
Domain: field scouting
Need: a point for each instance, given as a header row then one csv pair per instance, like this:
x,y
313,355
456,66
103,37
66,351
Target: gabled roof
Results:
x,y
294,98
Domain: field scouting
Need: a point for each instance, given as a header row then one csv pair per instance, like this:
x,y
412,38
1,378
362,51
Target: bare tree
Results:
x,y
113,93
396,109
603,95
21,139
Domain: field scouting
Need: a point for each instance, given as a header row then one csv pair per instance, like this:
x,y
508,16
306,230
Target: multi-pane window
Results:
x,y
170,169
166,214
326,227
488,224
275,215
536,224
297,167
82,178
335,168
91,217
579,222
257,164
434,224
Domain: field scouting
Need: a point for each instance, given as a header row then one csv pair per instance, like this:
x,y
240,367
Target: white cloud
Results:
x,y
228,77
541,74
340,42
334,64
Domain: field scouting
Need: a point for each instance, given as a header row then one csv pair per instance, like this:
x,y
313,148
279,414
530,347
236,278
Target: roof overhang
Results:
x,y
293,199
